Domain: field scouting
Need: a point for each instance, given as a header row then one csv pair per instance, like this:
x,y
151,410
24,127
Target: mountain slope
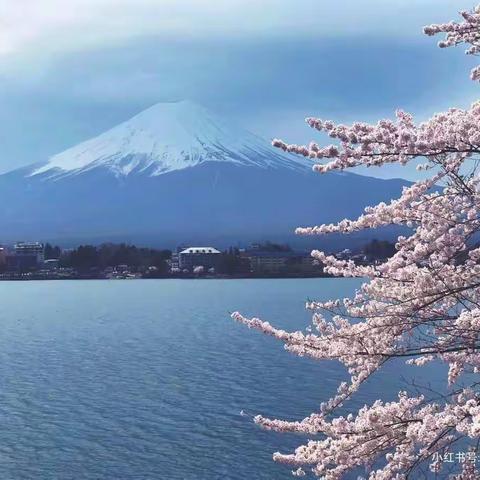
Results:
x,y
194,180
164,138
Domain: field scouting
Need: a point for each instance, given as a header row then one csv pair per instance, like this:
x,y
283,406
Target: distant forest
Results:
x,y
86,257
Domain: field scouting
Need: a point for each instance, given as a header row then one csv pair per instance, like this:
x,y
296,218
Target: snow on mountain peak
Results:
x,y
167,137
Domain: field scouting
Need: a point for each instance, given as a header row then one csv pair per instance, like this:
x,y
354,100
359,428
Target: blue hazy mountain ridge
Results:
x,y
177,173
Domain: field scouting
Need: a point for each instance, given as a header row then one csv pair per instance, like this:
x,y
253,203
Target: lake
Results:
x,y
146,379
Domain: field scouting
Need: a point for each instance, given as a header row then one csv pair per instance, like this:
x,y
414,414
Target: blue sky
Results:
x,y
69,74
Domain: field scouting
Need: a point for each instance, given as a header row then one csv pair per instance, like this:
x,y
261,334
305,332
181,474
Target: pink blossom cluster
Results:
x,y
456,33
421,305
447,138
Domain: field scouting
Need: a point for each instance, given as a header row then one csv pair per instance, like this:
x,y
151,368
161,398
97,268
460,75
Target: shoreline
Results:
x,y
29,278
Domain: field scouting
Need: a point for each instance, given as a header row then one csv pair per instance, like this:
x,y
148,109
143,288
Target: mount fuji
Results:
x,y
177,173
165,138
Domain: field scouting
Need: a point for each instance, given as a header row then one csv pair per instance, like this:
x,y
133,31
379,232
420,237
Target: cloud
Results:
x,y
71,69
49,26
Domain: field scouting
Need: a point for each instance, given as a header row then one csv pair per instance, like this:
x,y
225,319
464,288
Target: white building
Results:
x,y
30,249
207,257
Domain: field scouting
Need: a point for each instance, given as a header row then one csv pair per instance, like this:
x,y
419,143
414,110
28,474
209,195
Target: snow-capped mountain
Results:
x,y
164,138
177,173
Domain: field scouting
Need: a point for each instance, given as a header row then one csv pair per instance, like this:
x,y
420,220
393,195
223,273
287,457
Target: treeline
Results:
x,y
88,257
52,252
231,262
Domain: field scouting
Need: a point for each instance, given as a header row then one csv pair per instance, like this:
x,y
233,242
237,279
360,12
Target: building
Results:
x,y
207,257
21,263
52,263
280,262
30,249
174,262
3,257
27,256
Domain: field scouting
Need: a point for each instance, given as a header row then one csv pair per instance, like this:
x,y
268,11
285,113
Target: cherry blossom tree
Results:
x,y
421,305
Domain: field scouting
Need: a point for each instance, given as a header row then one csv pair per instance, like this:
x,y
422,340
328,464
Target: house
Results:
x,y
207,257
277,262
30,249
52,263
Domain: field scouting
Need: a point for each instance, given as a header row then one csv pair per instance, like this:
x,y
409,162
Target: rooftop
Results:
x,y
191,250
28,244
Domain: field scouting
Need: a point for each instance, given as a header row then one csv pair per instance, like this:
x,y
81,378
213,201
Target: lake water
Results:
x,y
146,379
